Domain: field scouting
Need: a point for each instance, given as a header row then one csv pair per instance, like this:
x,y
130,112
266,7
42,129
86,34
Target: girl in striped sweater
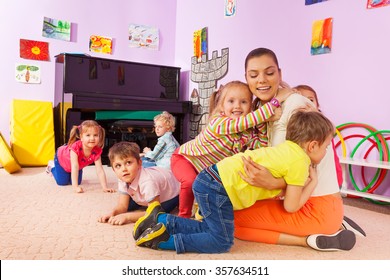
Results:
x,y
232,128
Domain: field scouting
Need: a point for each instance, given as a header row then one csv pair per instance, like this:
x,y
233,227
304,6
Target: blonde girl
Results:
x,y
84,147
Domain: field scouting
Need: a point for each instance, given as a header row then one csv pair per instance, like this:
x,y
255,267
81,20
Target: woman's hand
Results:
x,y
259,176
146,149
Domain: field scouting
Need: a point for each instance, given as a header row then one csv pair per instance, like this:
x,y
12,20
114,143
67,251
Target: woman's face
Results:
x,y
263,77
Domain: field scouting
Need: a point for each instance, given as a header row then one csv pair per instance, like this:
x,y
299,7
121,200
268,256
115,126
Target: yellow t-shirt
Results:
x,y
286,160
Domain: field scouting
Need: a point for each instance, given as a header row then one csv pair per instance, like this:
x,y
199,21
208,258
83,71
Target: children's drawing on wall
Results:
x,y
56,29
142,36
321,41
200,43
377,3
35,50
309,2
100,44
230,8
29,74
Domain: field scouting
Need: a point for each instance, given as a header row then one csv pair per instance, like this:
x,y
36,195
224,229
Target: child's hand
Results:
x,y
283,94
276,116
109,190
118,220
313,175
104,219
78,189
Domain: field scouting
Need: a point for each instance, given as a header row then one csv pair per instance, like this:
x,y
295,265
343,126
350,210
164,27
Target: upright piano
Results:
x,y
127,95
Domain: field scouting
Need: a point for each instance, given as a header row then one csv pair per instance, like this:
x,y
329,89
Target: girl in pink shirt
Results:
x,y
71,158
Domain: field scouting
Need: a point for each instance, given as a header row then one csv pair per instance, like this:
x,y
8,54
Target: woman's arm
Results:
x,y
257,175
102,176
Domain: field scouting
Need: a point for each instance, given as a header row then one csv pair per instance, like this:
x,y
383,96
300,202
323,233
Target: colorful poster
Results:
x,y
142,36
321,40
377,3
200,43
309,2
56,29
35,50
30,74
230,8
100,44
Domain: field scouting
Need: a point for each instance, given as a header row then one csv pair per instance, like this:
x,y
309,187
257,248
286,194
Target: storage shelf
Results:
x,y
366,163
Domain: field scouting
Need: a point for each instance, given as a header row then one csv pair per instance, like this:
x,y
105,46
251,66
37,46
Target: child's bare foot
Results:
x,y
78,190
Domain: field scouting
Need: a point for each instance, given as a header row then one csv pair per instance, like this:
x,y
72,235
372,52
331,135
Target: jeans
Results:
x,y
147,162
215,233
62,177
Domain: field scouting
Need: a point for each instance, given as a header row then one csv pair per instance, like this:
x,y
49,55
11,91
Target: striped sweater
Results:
x,y
224,136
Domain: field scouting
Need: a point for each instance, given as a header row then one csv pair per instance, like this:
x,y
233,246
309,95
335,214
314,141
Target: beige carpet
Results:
x,y
41,221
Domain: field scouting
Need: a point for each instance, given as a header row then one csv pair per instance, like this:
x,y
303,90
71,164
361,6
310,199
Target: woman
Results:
x,y
266,221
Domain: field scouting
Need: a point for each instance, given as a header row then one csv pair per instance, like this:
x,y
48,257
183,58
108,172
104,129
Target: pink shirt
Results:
x,y
63,154
149,183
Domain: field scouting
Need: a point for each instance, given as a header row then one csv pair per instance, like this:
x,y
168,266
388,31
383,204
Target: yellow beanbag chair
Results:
x,y
32,132
7,159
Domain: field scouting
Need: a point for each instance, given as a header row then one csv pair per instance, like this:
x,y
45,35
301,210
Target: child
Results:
x,y
309,93
71,158
138,187
164,125
229,131
219,190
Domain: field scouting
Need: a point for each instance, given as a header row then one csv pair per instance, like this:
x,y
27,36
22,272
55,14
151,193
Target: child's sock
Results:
x,y
167,245
162,218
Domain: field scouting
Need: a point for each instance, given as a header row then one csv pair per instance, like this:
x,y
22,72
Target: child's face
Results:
x,y
126,169
310,95
90,138
263,77
318,152
237,102
160,128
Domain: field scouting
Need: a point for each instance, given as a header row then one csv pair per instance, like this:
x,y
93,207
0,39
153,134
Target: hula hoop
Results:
x,y
378,172
367,188
384,157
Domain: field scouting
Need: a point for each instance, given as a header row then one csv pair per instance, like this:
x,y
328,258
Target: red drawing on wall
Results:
x,y
35,50
377,3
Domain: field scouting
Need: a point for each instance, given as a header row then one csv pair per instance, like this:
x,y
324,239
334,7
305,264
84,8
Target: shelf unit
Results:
x,y
367,163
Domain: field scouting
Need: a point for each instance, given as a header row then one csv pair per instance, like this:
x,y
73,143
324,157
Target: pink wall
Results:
x,y
352,81
99,17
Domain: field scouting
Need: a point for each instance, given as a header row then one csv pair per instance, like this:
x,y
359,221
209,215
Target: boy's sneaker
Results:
x,y
352,226
49,166
148,220
341,240
152,237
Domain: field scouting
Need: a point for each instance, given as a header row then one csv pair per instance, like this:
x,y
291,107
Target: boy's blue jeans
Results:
x,y
215,233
